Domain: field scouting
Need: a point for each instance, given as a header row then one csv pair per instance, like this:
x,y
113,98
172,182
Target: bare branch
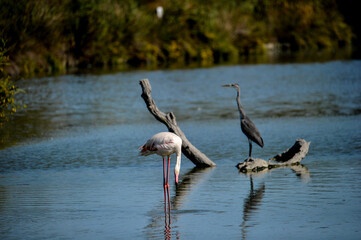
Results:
x,y
169,119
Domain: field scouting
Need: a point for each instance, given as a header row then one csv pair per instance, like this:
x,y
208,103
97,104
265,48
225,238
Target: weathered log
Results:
x,y
253,164
291,156
169,119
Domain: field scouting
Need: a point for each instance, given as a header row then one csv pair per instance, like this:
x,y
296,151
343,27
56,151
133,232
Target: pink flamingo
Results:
x,y
165,144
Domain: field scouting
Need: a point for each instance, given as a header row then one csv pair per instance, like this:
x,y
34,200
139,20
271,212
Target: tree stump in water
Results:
x,y
169,119
292,156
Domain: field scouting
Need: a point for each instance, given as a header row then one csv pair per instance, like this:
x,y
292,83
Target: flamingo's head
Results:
x,y
176,174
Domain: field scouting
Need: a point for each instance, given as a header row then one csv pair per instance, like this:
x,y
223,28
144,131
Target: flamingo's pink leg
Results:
x,y
164,186
168,186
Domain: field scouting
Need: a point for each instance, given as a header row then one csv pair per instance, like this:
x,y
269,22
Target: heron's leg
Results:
x,y
250,149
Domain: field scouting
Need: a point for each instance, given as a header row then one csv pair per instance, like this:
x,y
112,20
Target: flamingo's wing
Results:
x,y
148,148
161,144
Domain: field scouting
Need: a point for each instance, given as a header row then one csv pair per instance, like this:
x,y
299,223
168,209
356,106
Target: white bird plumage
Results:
x,y
164,144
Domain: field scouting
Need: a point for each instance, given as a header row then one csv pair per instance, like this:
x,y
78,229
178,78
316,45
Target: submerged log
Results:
x,y
169,119
253,164
292,156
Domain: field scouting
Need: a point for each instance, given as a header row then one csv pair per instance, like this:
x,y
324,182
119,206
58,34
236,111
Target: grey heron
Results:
x,y
248,127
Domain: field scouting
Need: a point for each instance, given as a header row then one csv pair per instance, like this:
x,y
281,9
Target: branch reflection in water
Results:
x,y
190,180
255,196
301,171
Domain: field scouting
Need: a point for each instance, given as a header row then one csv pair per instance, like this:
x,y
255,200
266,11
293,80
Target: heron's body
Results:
x,y
250,130
248,127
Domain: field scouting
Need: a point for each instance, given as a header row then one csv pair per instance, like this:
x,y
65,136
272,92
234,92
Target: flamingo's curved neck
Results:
x,y
177,166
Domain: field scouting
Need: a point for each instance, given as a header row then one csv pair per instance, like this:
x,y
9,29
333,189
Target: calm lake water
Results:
x,y
70,169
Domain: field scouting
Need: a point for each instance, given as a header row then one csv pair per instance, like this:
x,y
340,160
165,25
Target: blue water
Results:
x,y
70,169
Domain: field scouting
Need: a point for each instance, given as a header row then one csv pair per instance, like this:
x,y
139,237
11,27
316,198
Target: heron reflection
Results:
x,y
255,196
251,204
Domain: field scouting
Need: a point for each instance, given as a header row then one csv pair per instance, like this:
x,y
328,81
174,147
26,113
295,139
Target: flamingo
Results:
x,y
165,144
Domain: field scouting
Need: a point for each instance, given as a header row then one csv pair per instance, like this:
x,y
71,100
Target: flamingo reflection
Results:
x,y
190,180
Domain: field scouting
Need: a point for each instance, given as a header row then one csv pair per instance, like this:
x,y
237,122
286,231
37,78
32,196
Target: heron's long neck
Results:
x,y
240,108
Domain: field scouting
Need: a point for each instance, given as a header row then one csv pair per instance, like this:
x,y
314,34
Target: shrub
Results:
x,y
8,90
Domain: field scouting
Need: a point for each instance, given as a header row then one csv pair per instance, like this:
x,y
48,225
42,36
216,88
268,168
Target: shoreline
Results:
x,y
273,53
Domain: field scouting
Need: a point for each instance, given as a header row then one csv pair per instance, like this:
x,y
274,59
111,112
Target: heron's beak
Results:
x,y
227,85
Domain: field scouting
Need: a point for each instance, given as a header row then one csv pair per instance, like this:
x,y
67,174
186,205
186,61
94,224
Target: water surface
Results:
x,y
69,164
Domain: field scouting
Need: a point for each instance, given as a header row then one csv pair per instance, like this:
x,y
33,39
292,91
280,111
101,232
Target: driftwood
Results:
x,y
292,156
169,119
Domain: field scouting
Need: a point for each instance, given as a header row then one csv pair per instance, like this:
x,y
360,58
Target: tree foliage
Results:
x,y
53,35
8,106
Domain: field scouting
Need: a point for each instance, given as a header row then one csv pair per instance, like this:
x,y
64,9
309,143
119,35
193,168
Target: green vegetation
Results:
x,y
7,89
51,36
